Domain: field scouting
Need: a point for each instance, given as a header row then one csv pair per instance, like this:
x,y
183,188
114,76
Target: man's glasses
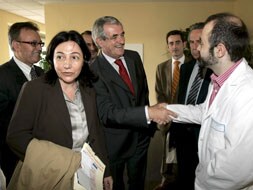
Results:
x,y
33,44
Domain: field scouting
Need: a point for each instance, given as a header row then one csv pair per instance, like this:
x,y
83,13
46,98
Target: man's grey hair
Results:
x,y
98,27
196,26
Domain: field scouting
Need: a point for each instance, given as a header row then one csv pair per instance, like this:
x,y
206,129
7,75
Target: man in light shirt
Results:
x,y
225,139
176,44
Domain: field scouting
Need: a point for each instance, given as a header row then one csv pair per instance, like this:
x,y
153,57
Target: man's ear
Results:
x,y
220,50
99,42
15,45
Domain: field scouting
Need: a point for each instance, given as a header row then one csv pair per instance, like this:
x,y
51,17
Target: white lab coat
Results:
x,y
226,136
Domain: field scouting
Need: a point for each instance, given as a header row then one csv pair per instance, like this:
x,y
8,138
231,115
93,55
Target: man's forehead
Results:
x,y
176,37
207,29
196,31
87,38
209,26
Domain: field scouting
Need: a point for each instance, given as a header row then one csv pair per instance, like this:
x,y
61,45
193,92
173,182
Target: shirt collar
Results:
x,y
110,59
219,80
181,60
26,69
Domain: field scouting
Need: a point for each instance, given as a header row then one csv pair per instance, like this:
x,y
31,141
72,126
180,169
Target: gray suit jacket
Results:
x,y
163,87
164,81
122,113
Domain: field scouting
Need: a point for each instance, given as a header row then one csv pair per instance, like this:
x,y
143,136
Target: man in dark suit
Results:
x,y
26,44
176,44
185,136
123,107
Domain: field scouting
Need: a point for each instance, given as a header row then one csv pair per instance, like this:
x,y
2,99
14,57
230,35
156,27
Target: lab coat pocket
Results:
x,y
216,139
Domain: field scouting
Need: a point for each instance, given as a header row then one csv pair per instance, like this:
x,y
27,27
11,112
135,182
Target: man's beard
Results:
x,y
208,61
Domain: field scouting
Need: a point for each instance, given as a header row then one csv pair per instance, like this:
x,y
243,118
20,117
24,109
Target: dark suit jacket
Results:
x,y
41,112
11,80
122,113
185,74
185,136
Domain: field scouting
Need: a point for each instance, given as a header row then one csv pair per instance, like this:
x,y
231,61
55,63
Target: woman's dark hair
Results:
x,y
86,77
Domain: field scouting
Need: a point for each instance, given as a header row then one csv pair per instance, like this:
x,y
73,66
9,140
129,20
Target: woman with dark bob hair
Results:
x,y
54,116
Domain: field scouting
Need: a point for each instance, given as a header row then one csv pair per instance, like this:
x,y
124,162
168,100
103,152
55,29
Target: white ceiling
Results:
x,y
34,9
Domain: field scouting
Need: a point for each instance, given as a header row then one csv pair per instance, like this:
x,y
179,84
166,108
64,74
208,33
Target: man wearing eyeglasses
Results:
x,y
26,44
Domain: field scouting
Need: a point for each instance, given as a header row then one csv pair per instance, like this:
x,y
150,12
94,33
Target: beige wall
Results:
x,y
145,23
7,19
243,8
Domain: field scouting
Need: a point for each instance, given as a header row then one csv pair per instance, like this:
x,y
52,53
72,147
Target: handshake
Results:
x,y
160,114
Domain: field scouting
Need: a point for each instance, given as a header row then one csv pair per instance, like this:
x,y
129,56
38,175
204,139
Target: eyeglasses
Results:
x,y
33,44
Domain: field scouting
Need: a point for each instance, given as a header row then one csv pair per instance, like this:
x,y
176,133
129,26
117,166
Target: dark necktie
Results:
x,y
124,75
33,73
176,75
192,96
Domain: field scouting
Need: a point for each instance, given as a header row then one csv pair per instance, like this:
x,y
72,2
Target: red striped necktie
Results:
x,y
124,75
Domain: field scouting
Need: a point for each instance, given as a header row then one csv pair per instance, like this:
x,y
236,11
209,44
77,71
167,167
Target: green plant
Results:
x,y
43,63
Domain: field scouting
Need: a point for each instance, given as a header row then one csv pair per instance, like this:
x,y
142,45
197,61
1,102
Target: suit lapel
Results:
x,y
132,72
88,105
17,72
38,70
186,71
111,73
167,73
59,106
219,98
204,87
227,88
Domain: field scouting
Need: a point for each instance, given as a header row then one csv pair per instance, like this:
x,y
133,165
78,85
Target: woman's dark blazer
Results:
x,y
41,112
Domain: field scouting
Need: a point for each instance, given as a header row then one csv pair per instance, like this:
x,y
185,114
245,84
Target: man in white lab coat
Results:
x,y
226,117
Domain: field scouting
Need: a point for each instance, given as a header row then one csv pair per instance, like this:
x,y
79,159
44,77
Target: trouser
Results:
x,y
135,166
187,154
169,170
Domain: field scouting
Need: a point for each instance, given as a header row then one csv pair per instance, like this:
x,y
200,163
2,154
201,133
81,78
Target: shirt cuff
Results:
x,y
147,116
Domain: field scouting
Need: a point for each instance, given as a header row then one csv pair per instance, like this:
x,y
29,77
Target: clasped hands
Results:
x,y
160,114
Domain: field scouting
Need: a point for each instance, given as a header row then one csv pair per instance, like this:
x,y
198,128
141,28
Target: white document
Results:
x,y
91,173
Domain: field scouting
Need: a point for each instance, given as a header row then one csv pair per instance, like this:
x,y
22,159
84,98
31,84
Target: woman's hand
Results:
x,y
108,182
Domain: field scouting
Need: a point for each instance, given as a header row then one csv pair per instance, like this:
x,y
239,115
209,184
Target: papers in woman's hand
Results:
x,y
91,173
